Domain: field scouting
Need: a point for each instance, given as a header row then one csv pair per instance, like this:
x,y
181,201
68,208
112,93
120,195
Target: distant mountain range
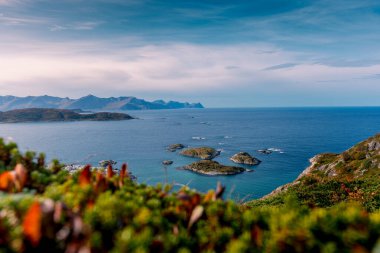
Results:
x,y
90,102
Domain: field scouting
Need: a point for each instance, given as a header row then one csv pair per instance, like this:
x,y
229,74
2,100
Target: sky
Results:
x,y
262,53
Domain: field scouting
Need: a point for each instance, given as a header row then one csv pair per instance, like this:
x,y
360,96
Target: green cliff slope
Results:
x,y
353,175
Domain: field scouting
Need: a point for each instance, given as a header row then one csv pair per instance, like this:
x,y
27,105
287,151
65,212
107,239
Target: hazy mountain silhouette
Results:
x,y
90,102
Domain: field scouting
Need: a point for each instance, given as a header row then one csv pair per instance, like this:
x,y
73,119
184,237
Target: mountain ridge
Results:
x,y
90,102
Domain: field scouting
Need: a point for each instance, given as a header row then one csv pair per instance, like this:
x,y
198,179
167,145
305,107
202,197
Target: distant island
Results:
x,y
49,115
90,102
213,168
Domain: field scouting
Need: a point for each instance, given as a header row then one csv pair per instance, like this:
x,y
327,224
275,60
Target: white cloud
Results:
x,y
88,25
13,20
74,69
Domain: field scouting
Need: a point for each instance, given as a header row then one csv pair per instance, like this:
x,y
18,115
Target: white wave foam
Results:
x,y
276,150
198,138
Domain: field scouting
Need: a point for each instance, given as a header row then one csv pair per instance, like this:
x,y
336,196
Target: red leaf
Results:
x,y
32,224
124,171
195,199
85,176
100,185
6,181
257,236
110,172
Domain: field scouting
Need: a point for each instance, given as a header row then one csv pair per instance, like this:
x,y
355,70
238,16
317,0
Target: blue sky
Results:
x,y
221,53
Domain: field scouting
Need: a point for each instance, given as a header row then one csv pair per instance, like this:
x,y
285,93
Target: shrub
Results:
x,y
95,211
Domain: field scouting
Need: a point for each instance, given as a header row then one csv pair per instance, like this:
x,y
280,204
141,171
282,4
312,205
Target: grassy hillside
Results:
x,y
45,209
353,175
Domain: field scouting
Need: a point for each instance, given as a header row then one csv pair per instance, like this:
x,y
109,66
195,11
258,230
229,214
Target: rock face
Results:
x,y
204,153
213,168
175,147
50,115
244,158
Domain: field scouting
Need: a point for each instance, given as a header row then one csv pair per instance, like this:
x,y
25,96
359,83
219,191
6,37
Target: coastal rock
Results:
x,y
175,147
265,151
204,153
244,158
167,162
105,163
213,168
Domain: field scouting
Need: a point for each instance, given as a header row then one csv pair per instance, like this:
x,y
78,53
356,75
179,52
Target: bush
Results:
x,y
94,211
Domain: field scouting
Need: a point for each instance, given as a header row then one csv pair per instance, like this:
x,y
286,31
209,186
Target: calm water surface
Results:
x,y
296,133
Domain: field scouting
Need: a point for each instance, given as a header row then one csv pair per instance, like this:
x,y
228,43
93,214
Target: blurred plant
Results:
x,y
45,209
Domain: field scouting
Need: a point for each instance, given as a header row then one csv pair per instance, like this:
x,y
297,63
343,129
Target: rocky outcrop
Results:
x,y
244,158
175,147
265,151
167,162
204,153
213,168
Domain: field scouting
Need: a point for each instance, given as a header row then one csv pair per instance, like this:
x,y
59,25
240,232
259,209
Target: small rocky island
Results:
x,y
54,115
212,168
265,151
167,162
204,153
244,158
175,147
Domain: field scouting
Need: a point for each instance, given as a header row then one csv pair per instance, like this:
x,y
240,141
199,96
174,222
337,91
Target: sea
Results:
x,y
293,134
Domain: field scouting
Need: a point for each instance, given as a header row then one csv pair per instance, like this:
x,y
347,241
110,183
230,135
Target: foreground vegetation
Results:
x,y
45,209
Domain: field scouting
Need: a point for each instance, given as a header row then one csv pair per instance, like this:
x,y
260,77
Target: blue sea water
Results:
x,y
297,134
